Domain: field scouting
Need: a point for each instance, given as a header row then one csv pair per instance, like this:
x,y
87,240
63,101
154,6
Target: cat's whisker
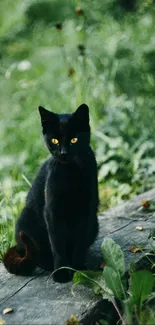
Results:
x,y
54,162
79,163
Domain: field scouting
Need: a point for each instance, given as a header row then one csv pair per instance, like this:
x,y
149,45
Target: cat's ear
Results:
x,y
48,118
82,113
45,114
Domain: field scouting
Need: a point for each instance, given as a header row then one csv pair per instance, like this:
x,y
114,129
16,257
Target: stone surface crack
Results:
x,y
24,285
114,231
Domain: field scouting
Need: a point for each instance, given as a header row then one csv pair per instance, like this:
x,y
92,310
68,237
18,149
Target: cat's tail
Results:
x,y
21,265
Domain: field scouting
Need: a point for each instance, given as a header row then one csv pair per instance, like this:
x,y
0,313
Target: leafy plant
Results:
x,y
127,297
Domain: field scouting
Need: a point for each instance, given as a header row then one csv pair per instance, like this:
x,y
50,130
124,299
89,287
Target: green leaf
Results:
x,y
113,256
84,277
148,316
89,279
93,280
128,308
106,292
151,318
141,285
113,282
115,268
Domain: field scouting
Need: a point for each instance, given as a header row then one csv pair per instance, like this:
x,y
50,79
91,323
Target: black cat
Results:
x,y
59,221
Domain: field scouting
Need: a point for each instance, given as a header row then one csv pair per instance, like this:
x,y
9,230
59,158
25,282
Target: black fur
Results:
x,y
60,216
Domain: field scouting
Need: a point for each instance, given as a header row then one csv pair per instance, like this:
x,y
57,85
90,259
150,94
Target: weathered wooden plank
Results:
x,y
130,207
42,301
38,300
126,236
10,284
120,224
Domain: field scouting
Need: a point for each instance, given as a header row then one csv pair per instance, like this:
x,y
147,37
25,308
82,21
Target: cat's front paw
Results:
x,y
62,276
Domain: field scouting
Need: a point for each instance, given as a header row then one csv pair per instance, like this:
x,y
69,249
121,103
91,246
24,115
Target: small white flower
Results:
x,y
24,65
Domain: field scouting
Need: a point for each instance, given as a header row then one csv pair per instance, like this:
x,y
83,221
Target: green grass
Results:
x,y
115,77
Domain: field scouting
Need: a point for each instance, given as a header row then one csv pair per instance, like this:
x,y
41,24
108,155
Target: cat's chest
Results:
x,y
67,193
67,180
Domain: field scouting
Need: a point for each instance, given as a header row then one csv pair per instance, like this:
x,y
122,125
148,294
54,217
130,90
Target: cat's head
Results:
x,y
67,136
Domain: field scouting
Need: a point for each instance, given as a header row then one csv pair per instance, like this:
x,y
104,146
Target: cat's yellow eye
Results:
x,y
74,140
54,141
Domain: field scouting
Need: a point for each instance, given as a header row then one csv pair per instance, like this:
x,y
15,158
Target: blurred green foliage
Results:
x,y
59,54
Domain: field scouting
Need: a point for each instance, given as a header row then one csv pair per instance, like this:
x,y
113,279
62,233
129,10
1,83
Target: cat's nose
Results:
x,y
63,152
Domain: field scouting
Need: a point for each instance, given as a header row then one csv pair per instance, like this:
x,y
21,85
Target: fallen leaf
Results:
x,y
7,311
134,249
2,321
72,321
140,228
145,204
